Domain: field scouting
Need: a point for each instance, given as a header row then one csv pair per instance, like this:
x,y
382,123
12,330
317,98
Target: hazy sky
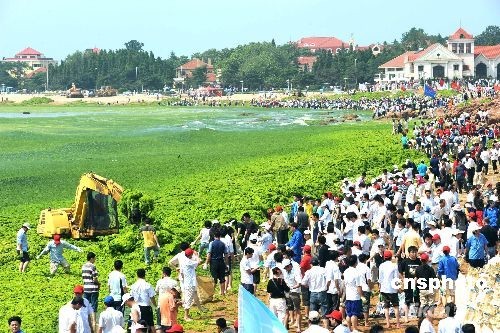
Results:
x,y
58,28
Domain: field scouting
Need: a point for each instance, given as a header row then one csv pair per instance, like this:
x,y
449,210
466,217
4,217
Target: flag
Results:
x,y
428,91
255,317
455,85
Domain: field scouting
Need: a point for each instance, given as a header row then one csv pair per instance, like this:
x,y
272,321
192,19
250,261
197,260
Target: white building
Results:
x,y
460,59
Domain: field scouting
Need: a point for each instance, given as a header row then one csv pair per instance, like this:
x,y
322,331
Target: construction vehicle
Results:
x,y
106,91
74,92
94,212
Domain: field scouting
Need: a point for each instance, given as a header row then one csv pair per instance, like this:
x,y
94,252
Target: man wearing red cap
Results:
x,y
436,251
424,273
448,268
335,321
55,247
388,273
189,286
87,313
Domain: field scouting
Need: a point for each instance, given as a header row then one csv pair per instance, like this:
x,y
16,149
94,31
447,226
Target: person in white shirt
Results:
x,y
315,280
135,311
293,278
314,319
246,270
366,281
388,274
163,286
426,324
117,285
204,238
494,152
354,298
70,319
177,260
189,291
333,280
110,317
144,295
449,324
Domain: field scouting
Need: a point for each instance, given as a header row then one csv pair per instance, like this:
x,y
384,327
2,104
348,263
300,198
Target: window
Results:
x,y
421,68
462,36
468,48
454,47
390,69
399,69
412,68
456,67
337,50
466,67
461,48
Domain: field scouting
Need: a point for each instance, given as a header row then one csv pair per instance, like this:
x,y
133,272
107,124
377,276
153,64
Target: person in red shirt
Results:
x,y
305,265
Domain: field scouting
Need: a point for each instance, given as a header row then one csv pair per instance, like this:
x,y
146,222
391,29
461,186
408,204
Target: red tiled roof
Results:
x,y
211,77
459,32
321,43
195,63
490,52
309,61
36,71
28,51
409,56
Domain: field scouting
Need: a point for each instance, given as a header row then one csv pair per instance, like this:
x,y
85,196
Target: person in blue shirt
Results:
x,y
55,249
22,247
296,242
448,268
476,247
492,214
422,169
15,324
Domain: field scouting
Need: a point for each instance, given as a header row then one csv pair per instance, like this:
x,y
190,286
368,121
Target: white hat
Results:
x,y
432,223
307,232
457,207
314,315
27,225
266,226
285,262
474,227
253,237
126,297
457,231
468,205
493,197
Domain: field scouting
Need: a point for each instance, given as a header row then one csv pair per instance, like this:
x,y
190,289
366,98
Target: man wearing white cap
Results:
x,y
22,247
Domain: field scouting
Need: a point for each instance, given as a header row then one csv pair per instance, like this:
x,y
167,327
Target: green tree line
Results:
x,y
260,65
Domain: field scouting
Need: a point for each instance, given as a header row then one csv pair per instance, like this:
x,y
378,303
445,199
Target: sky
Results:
x,y
58,28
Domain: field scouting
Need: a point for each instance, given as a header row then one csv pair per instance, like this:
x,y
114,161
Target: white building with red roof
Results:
x,y
186,70
459,59
34,59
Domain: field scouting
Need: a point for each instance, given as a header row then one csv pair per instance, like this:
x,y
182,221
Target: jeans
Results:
x,y
248,287
147,254
93,299
319,301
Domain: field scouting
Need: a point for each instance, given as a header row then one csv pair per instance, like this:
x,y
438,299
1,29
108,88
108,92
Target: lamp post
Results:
x,y
356,71
241,86
345,84
288,85
136,78
95,91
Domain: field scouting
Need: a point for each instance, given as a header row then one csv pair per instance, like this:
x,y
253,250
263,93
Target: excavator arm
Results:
x,y
93,213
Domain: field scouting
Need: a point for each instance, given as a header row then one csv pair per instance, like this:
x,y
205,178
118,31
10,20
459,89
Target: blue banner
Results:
x,y
255,317
428,91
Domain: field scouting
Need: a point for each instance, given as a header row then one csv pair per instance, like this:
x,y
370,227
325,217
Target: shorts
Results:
x,y
305,295
54,265
293,301
256,277
366,306
412,296
353,308
218,270
229,268
24,257
147,314
390,300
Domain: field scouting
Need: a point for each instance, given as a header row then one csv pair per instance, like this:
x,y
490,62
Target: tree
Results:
x,y
415,39
134,45
198,78
490,36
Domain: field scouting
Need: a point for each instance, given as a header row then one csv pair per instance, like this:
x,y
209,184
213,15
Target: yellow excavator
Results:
x,y
94,212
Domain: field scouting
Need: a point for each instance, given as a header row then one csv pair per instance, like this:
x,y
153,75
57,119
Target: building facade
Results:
x,y
459,59
32,58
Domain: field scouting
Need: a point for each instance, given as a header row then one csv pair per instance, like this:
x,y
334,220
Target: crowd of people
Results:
x,y
424,105
322,259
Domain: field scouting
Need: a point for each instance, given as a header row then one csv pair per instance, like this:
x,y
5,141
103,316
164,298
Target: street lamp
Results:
x,y
356,71
95,91
345,84
288,85
241,86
